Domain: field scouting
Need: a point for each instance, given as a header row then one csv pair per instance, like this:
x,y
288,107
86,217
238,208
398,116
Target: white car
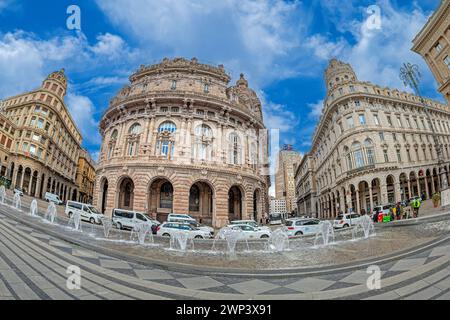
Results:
x,y
181,218
298,227
197,225
125,219
168,229
251,223
249,232
346,220
50,197
87,212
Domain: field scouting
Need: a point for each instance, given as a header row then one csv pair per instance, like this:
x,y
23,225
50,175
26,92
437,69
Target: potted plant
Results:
x,y
436,199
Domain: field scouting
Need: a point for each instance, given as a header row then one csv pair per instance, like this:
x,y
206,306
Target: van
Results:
x,y
50,197
125,219
87,212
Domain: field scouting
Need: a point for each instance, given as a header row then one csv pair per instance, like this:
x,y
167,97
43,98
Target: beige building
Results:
x,y
7,132
47,143
85,177
372,146
433,44
180,139
287,162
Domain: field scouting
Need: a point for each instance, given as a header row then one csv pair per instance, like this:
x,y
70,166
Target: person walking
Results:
x,y
398,211
418,205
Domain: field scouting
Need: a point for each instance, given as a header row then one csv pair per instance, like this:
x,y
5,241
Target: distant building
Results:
x,y
85,178
278,206
288,159
433,44
7,131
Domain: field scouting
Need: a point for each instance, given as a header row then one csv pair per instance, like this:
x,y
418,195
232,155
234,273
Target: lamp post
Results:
x,y
410,75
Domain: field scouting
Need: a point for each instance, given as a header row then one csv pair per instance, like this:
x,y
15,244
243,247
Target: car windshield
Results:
x,y
93,210
340,217
289,223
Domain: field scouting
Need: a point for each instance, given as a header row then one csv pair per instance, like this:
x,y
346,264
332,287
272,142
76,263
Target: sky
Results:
x,y
283,48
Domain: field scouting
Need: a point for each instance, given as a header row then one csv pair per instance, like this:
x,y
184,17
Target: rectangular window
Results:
x,y
399,122
357,103
394,136
438,47
447,61
381,136
350,123
362,119
174,85
386,156
352,89
399,156
389,121
376,120
408,123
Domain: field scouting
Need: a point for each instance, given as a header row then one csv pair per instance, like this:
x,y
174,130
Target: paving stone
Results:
x,y
154,274
198,283
426,294
252,287
408,264
308,285
358,277
114,264
440,251
4,292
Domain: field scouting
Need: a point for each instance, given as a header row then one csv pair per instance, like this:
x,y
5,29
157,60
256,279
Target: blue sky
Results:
x,y
283,48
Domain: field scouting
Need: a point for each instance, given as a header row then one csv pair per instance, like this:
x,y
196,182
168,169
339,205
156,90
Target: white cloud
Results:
x,y
376,55
81,108
261,38
315,110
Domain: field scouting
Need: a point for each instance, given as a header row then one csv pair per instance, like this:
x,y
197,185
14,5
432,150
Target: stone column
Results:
x,y
38,187
371,198
418,187
14,178
426,188
358,205
433,189
383,193
397,192
21,179
409,189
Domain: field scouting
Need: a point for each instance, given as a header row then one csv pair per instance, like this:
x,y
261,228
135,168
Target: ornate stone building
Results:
x,y
180,139
85,177
288,160
433,44
372,146
47,143
7,132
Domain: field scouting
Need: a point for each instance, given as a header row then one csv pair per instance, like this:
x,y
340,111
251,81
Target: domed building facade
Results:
x,y
179,139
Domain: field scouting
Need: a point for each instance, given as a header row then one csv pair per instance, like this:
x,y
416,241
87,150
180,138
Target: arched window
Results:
x,y
112,144
165,145
166,196
358,154
203,143
234,149
348,156
369,151
135,129
167,126
194,199
253,155
133,139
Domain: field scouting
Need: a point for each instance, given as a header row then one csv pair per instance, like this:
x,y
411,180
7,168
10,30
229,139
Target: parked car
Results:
x,y
167,229
87,212
300,226
251,223
50,197
19,191
346,220
250,232
182,218
125,219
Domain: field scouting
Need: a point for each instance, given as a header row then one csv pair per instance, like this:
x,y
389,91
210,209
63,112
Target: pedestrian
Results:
x,y
375,216
398,211
419,203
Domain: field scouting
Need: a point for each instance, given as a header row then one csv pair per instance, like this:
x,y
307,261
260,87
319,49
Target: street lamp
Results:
x,y
410,75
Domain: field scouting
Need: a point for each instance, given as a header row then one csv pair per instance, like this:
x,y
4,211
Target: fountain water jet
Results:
x,y
107,226
279,240
75,220
178,240
140,232
50,214
2,194
232,236
17,202
34,208
326,231
364,225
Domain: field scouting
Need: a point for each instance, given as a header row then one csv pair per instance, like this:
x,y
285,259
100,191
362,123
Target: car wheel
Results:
x,y
119,226
264,236
92,220
166,235
298,233
198,237
346,226
70,215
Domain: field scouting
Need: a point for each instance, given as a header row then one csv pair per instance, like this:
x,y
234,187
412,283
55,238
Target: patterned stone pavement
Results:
x,y
33,266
